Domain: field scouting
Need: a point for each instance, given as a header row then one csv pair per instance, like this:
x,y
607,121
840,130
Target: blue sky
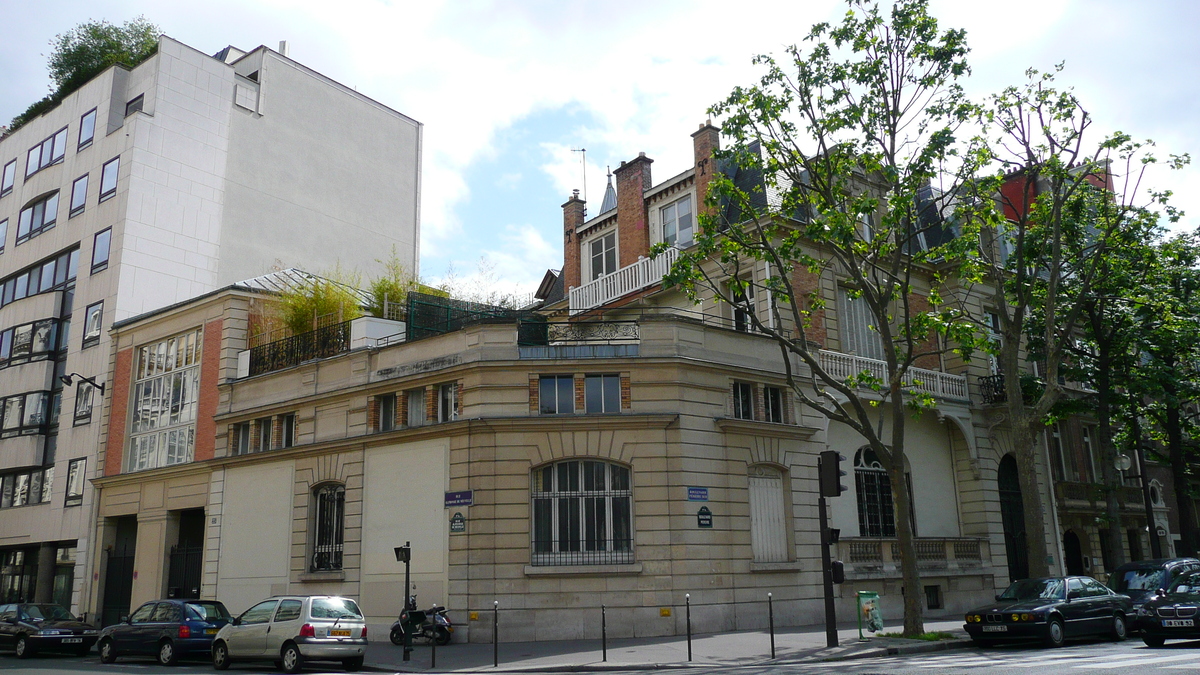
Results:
x,y
506,89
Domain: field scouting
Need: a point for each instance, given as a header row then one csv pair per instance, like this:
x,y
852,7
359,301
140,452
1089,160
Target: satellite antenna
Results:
x,y
583,161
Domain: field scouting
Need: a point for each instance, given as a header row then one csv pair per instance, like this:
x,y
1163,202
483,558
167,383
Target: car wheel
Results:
x,y
220,655
1054,633
292,659
1120,630
166,653
108,651
1154,641
353,665
22,648
397,636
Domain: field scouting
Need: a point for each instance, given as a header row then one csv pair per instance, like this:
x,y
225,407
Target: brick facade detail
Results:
x,y
210,373
114,453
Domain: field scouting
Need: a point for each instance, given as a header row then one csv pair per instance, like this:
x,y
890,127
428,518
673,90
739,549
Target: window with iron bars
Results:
x,y
873,487
582,514
328,527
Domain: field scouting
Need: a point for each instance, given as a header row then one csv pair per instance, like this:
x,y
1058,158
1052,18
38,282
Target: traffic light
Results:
x,y
838,572
829,470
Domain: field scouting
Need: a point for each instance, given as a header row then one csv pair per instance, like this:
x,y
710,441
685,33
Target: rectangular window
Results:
x,y
50,151
416,407
108,178
29,342
37,217
448,402
933,597
743,306
768,518
87,128
858,335
100,250
93,323
743,400
8,178
387,412
22,414
76,476
602,393
556,394
1089,455
264,434
328,527
165,398
677,222
3,233
78,195
603,251
83,403
134,105
241,438
773,404
287,436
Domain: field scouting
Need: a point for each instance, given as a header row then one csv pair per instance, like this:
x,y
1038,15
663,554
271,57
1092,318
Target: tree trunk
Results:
x,y
914,623
1108,470
1024,430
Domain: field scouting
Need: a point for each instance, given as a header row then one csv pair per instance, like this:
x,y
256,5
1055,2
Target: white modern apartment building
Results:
x,y
146,187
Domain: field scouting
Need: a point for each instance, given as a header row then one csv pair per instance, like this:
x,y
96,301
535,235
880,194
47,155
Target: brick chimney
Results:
x,y
704,141
573,215
633,235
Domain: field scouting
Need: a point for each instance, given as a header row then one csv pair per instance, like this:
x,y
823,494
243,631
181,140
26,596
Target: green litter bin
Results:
x,y
869,615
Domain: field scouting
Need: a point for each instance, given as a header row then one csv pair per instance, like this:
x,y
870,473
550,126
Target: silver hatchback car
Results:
x,y
292,629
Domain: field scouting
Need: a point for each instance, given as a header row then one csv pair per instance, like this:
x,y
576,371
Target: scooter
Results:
x,y
432,624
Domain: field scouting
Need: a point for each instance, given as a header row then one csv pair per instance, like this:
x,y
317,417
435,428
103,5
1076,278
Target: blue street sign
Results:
x,y
697,494
462,498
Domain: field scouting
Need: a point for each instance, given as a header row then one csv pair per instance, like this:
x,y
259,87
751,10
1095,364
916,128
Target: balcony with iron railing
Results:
x,y
1092,496
945,386
641,274
540,339
880,558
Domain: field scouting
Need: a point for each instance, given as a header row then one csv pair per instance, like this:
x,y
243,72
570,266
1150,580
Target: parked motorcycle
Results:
x,y
432,624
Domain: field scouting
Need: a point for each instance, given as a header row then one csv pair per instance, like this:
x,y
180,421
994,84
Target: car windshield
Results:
x,y
1188,584
1034,589
335,608
47,613
1140,580
207,611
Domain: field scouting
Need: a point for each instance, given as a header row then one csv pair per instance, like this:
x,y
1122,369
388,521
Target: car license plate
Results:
x,y
72,641
210,631
1178,623
995,629
339,632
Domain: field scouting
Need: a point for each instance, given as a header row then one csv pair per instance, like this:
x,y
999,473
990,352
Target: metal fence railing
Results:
x,y
290,351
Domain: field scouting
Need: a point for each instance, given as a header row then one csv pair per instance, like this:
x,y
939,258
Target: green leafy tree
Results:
x,y
1053,214
389,290
320,301
847,133
83,52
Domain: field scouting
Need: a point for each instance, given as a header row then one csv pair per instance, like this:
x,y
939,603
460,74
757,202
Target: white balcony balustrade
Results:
x,y
645,272
942,385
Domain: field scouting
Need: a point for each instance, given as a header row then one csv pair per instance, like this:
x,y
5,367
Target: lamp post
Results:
x,y
1122,462
404,554
68,380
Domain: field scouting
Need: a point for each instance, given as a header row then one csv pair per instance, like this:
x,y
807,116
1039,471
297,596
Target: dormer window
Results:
x,y
603,251
677,222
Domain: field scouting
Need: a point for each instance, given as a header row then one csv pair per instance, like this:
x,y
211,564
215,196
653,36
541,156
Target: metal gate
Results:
x,y
1012,517
184,573
118,585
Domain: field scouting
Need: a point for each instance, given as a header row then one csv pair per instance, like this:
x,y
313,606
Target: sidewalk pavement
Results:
x,y
804,643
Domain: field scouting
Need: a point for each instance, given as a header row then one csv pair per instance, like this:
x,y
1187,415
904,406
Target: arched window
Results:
x,y
582,514
873,487
329,508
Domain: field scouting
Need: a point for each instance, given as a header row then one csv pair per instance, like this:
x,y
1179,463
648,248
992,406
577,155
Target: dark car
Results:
x,y
1171,615
166,630
1051,610
1139,580
30,628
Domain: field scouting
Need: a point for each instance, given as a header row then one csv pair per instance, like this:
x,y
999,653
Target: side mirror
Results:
x,y
237,621
124,619
997,597
1161,592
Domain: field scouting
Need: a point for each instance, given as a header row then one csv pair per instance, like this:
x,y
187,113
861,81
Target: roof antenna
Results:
x,y
583,160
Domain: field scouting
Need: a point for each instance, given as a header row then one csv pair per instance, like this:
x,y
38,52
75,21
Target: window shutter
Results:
x,y
768,524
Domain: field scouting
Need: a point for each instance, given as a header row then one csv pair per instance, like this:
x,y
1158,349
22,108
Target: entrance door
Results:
x,y
118,585
1012,515
1073,553
183,578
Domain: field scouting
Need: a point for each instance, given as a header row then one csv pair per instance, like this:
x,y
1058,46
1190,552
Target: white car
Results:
x,y
293,629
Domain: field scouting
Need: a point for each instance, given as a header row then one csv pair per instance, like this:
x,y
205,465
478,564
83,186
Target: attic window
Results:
x,y
134,105
253,76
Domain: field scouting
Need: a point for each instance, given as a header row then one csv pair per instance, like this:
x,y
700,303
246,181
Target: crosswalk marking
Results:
x,y
1139,661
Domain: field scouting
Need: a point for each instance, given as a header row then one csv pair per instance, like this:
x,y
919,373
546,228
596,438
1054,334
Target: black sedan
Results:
x,y
1171,613
1051,610
30,628
166,630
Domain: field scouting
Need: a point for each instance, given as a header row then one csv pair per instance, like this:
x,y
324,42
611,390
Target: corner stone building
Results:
x,y
620,447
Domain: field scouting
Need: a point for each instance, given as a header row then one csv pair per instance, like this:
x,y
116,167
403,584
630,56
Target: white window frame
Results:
x,y
163,425
608,256
672,228
578,524
448,402
855,321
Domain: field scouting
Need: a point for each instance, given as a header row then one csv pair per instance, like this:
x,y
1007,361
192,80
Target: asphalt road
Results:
x,y
1091,658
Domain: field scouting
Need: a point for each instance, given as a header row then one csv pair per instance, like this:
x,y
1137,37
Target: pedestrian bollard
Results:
x,y
603,635
495,633
771,622
433,652
688,597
